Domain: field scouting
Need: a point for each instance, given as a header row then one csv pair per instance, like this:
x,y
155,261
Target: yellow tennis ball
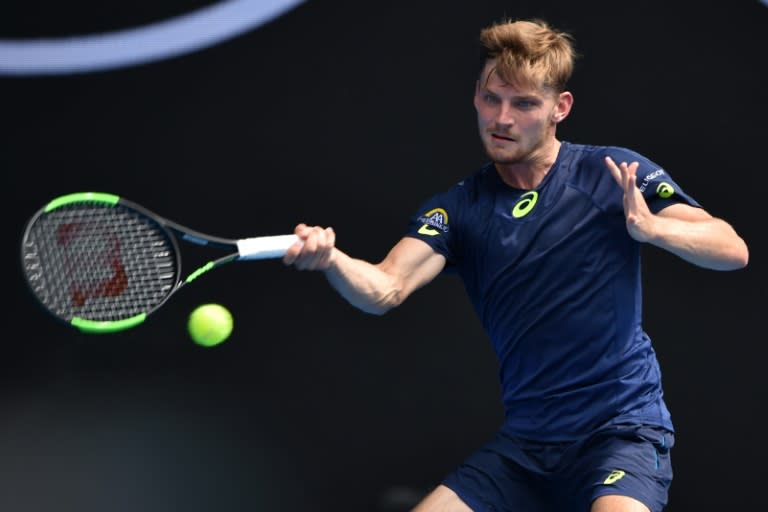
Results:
x,y
210,324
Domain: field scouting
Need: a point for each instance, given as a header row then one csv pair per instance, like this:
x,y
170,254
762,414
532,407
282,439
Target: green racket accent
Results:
x,y
102,327
80,197
99,263
202,270
103,264
210,266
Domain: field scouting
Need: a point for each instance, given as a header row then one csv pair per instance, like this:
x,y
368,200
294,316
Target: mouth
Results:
x,y
497,136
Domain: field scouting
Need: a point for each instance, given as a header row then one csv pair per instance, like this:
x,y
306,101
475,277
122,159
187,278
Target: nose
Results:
x,y
505,116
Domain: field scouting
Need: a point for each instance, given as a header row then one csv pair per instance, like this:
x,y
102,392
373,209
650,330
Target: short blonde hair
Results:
x,y
529,52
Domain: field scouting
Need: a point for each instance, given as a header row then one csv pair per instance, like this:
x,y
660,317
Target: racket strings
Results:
x,y
99,262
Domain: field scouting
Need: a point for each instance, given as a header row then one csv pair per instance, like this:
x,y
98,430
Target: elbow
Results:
x,y
375,309
742,258
738,259
741,255
383,304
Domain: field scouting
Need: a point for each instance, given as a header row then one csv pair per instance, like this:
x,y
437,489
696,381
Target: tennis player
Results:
x,y
546,238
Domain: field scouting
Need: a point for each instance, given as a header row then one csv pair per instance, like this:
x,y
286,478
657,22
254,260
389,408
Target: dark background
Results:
x,y
349,114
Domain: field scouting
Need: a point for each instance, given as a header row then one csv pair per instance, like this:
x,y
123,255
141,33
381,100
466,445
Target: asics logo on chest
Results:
x,y
525,204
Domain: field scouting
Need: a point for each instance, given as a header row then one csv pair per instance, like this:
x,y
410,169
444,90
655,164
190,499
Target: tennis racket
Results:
x,y
102,263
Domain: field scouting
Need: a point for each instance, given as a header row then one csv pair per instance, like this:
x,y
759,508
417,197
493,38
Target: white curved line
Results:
x,y
176,36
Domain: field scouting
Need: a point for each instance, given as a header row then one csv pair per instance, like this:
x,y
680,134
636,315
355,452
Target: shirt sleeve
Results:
x,y
434,223
654,182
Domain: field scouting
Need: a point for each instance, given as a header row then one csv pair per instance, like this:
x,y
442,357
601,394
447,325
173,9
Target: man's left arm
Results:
x,y
686,231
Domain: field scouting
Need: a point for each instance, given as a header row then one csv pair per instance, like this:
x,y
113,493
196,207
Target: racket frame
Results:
x,y
263,247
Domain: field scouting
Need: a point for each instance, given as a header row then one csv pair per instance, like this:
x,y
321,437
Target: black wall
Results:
x,y
349,114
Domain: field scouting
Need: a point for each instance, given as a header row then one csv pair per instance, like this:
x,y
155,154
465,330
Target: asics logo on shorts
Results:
x,y
614,477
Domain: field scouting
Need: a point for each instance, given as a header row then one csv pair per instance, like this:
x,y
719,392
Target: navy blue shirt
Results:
x,y
555,279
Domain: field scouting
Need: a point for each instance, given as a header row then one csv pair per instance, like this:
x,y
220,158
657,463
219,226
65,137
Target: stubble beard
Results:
x,y
519,153
503,156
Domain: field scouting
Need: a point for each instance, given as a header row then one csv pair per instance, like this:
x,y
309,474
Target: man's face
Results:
x,y
514,121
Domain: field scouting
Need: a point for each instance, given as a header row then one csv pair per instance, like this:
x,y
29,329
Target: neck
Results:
x,y
529,173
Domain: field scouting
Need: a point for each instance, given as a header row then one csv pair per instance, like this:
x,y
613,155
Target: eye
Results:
x,y
525,104
491,99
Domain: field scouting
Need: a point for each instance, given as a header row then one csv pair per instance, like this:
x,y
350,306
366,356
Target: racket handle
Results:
x,y
265,247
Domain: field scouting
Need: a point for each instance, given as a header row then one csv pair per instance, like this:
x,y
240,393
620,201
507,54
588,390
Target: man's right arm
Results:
x,y
373,288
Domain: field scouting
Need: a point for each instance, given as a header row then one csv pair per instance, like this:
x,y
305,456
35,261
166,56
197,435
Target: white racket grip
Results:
x,y
265,247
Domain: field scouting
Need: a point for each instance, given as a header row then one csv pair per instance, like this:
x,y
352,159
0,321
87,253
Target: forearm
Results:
x,y
710,243
363,284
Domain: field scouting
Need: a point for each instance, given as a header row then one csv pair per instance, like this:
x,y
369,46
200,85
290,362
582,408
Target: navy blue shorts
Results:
x,y
509,475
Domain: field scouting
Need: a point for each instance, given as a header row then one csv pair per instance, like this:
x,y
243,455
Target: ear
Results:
x,y
477,93
562,107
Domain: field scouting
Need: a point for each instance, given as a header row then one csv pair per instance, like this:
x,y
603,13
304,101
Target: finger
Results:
x,y
614,169
294,250
314,248
330,241
630,186
302,230
318,247
309,242
632,172
298,253
630,175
